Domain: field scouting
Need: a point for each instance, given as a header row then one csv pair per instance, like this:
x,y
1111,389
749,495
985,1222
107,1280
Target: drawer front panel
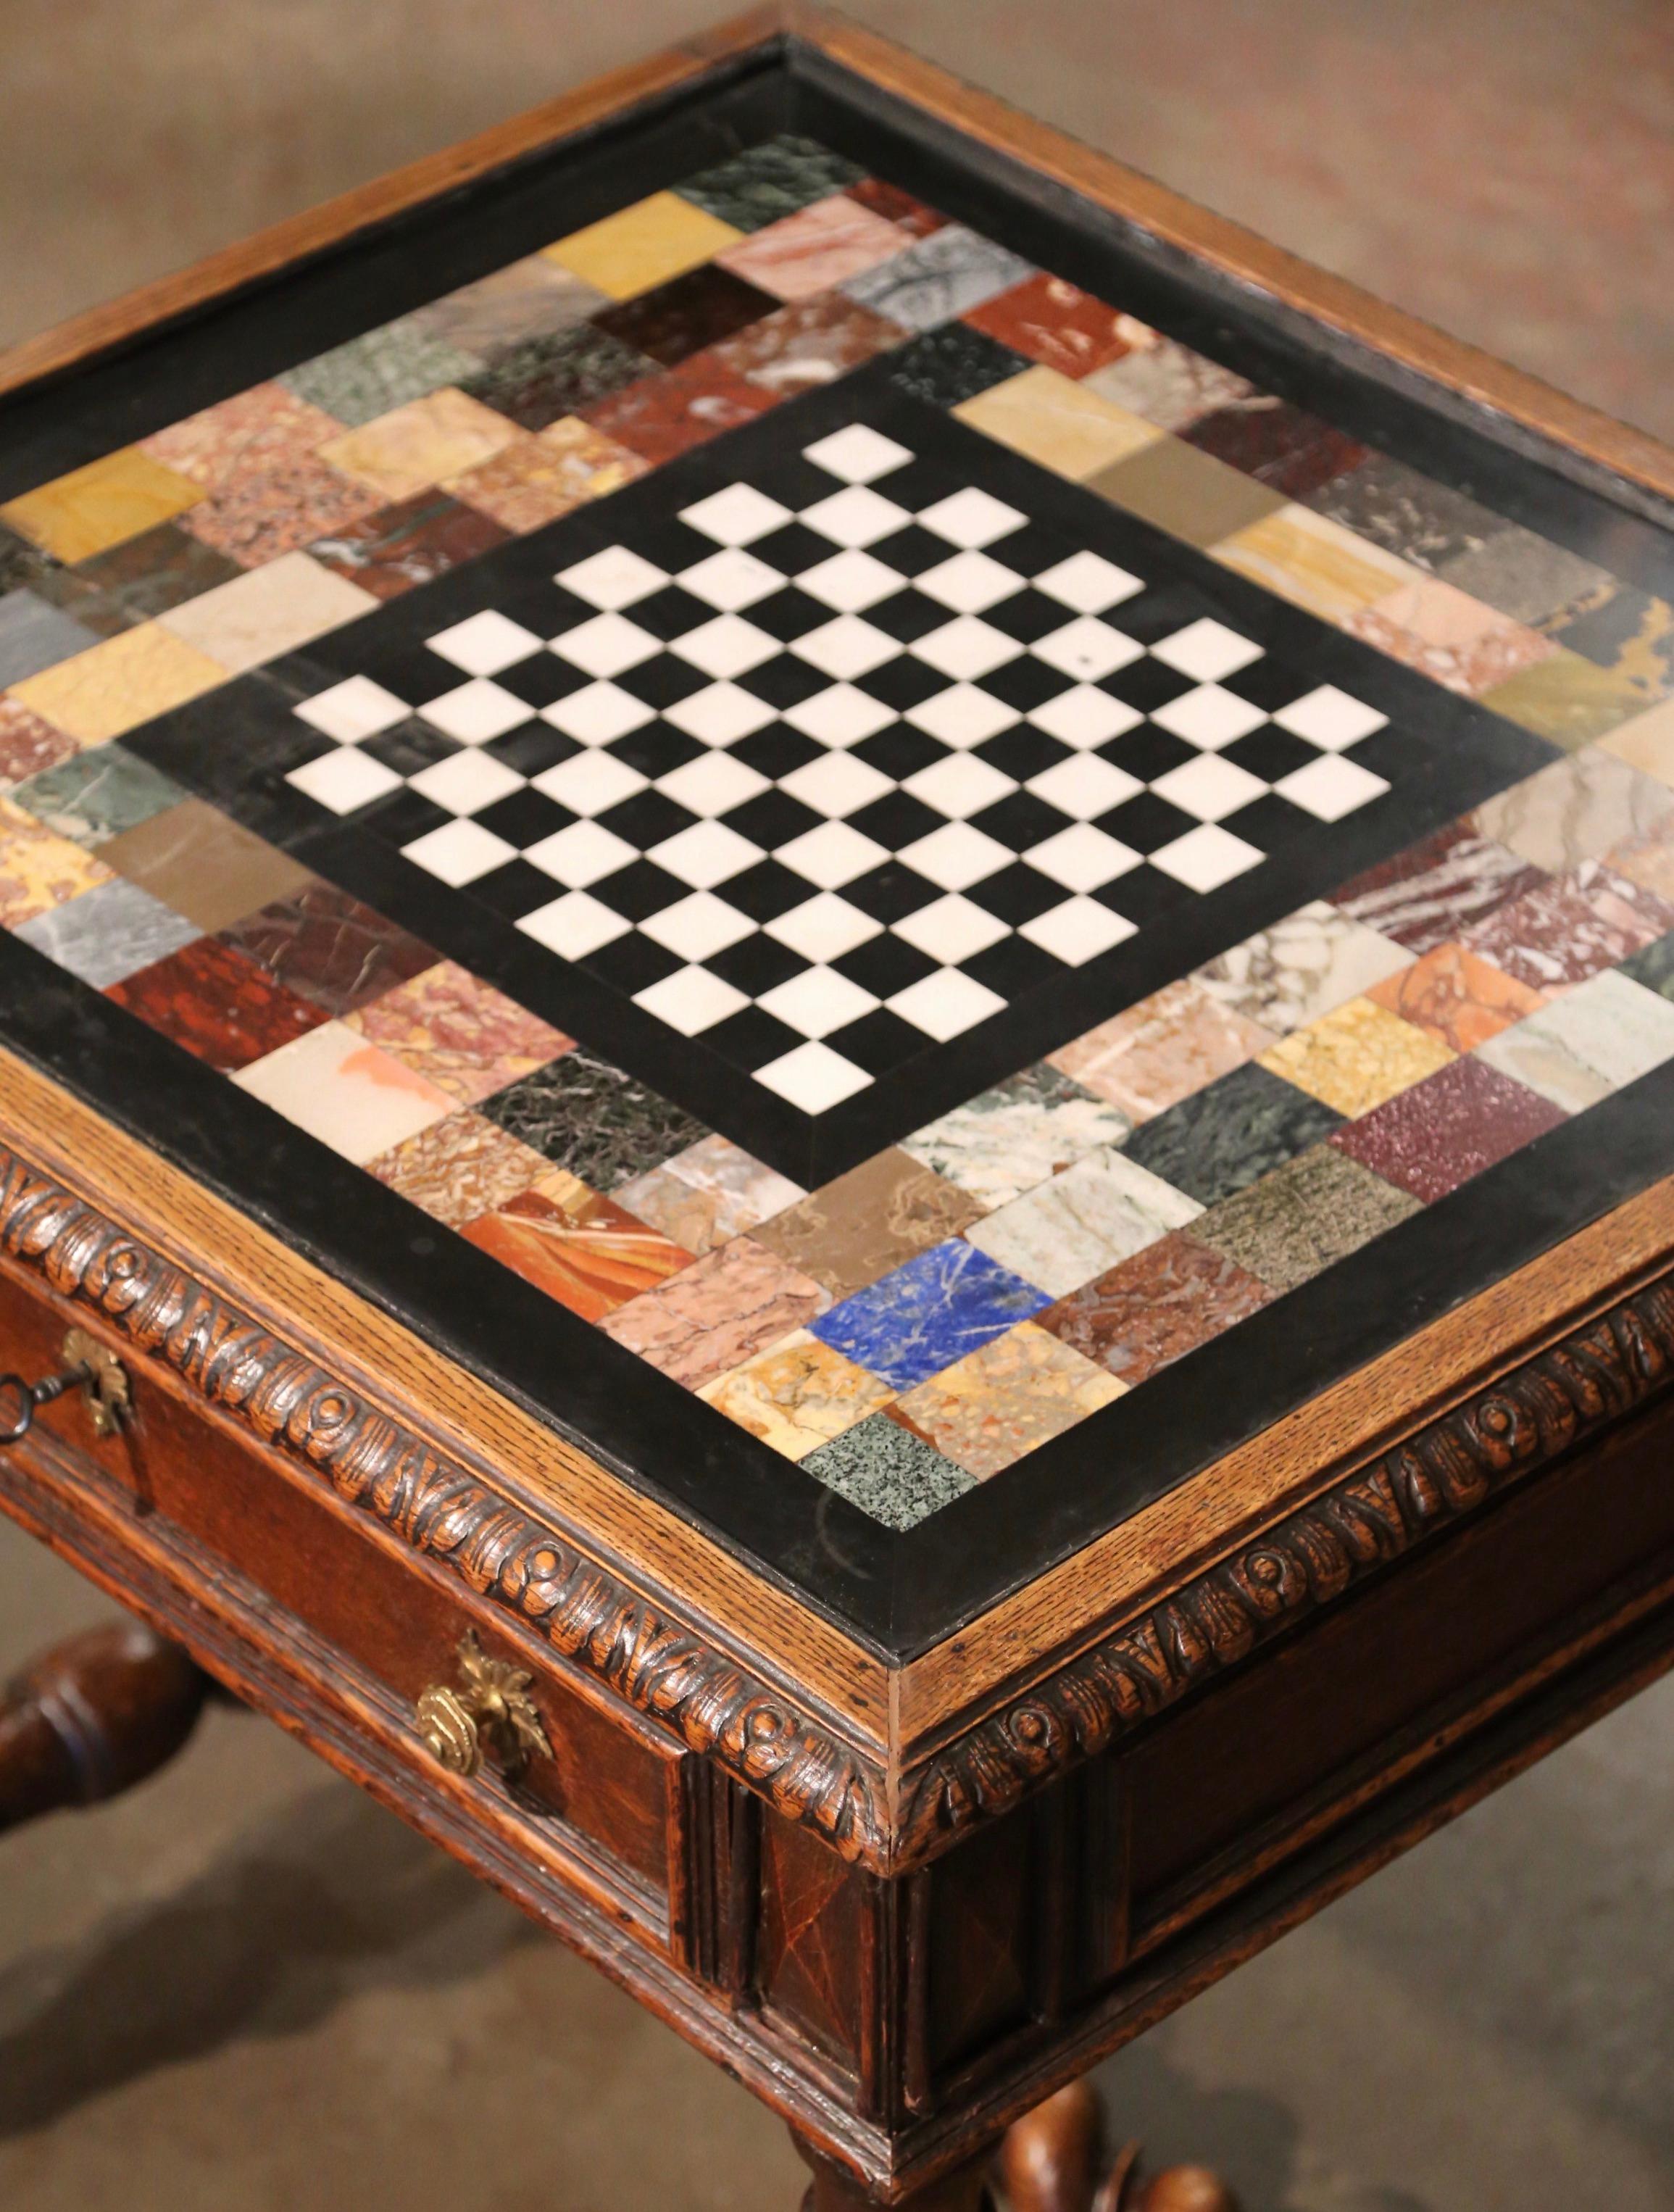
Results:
x,y
612,1785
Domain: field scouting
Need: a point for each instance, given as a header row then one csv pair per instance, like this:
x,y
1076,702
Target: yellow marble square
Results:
x,y
407,451
1567,699
120,683
1314,562
1356,1056
644,245
798,1395
104,504
1057,422
1647,742
39,869
1014,1395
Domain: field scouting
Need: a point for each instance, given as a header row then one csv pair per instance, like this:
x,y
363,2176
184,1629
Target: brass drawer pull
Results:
x,y
488,1709
100,1374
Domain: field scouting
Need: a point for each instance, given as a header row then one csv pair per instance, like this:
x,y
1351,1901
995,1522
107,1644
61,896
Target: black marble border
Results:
x,y
897,1592
1458,754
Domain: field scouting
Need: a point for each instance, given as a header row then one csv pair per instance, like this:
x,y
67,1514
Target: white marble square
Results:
x,y
612,579
855,517
1206,650
357,707
945,1004
485,643
1208,717
813,1077
460,852
596,714
1089,583
730,580
840,716
607,645
727,646
478,712
736,516
1206,857
343,780
1330,786
956,856
832,856
573,926
951,929
1329,719
713,783
590,783
857,454
1085,717
962,715
1209,787
967,648
580,853
719,714
836,784
691,1000
817,1001
1087,649
1084,785
959,786
465,783
705,855
824,927
969,583
1077,931
850,581
698,926
1082,859
845,647
972,518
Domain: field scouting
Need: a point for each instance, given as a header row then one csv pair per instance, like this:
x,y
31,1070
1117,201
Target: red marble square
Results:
x,y
1164,1302
807,343
662,416
329,948
1444,884
1569,927
395,548
27,745
1437,1135
897,206
219,1006
673,321
1282,447
1055,323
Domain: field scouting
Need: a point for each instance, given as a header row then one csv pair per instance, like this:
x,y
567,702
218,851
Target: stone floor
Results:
x,y
244,1988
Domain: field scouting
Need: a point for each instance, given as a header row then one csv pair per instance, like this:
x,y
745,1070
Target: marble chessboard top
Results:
x,y
852,838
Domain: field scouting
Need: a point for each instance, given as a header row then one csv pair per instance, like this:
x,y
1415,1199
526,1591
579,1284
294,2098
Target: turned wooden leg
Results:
x,y
92,1717
834,2191
1054,2159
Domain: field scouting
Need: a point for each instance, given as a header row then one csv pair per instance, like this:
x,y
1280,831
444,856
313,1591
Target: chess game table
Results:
x,y
837,987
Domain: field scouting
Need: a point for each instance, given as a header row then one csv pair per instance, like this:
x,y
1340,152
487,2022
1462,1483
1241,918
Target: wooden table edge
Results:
x,y
976,1684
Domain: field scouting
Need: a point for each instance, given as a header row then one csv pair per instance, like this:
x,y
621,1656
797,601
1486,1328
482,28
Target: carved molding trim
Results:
x,y
652,1660
646,1656
1431,1480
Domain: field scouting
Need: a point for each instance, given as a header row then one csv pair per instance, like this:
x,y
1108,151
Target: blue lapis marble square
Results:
x,y
943,1303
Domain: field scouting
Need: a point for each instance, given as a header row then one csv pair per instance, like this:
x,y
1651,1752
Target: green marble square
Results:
x,y
97,794
889,1473
381,370
770,181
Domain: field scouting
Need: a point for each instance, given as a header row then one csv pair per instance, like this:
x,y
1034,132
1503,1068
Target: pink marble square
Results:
x,y
465,1037
1570,926
815,250
718,1314
248,434
1162,1049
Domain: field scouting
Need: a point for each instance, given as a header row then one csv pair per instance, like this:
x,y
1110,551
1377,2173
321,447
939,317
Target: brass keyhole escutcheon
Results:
x,y
486,1712
105,1387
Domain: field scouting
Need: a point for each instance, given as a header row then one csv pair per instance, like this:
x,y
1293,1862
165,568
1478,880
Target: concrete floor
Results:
x,y
245,1989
